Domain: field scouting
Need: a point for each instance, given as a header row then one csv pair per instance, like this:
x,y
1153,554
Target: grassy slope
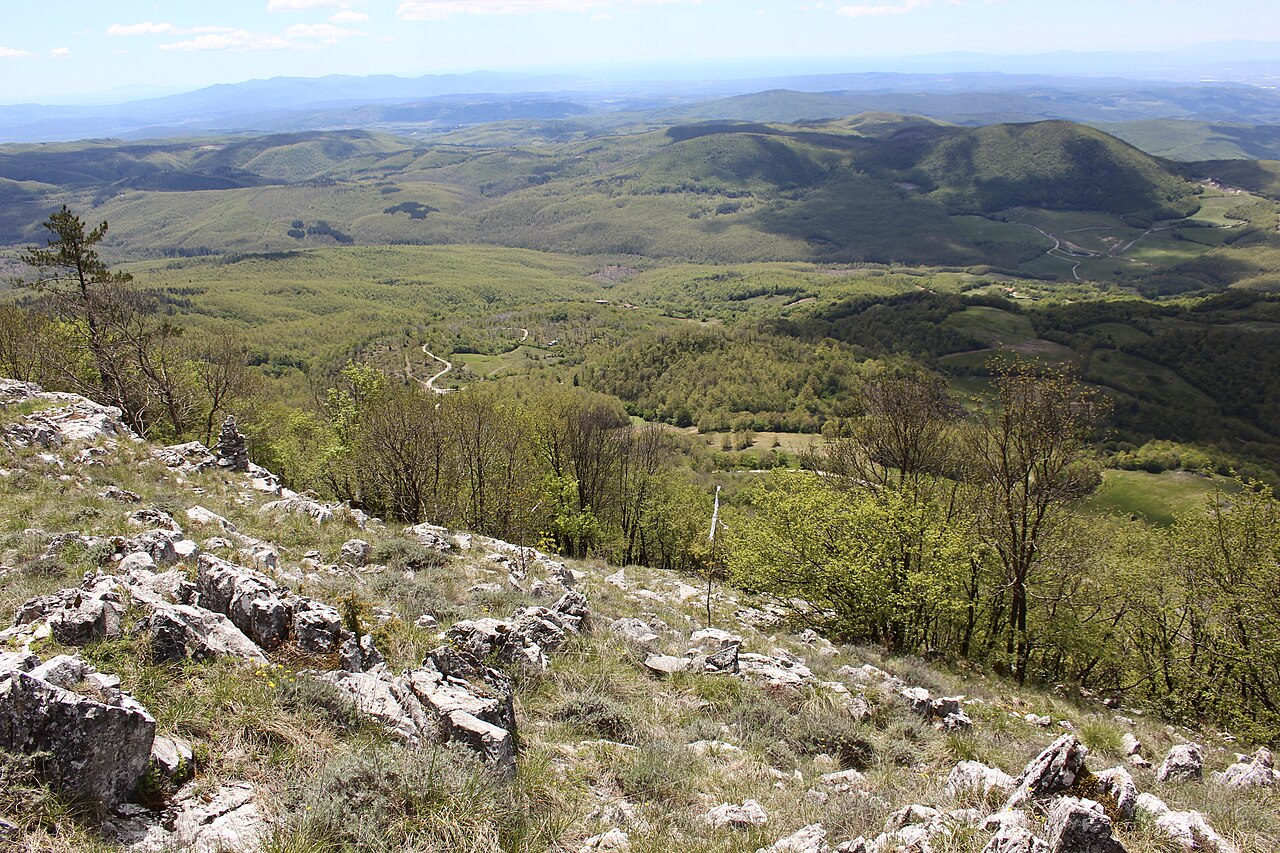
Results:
x,y
598,733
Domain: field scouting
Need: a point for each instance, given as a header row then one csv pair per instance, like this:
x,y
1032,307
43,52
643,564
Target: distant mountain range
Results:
x,y
440,103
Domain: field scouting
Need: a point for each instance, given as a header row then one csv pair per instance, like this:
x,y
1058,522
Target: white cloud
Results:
x,y
145,28
879,10
347,16
60,53
236,41
439,10
324,33
300,5
13,53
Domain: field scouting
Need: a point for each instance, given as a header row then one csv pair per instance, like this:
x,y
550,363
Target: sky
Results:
x,y
64,51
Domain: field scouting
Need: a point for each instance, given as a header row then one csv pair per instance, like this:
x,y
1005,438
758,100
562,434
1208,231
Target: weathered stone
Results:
x,y
807,839
81,615
773,671
172,757
1184,763
200,515
252,601
430,535
1117,786
360,655
317,628
976,777
1080,826
725,660
1258,772
230,819
179,631
298,505
574,610
124,496
92,750
665,664
1130,744
159,544
749,813
483,639
613,841
634,630
1053,771
1015,839
355,552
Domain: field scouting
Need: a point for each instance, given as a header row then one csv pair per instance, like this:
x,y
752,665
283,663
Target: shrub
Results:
x,y
600,716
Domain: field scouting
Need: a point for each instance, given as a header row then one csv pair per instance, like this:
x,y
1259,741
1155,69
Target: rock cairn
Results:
x,y
232,452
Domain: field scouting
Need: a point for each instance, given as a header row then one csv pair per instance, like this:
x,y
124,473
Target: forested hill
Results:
x,y
878,188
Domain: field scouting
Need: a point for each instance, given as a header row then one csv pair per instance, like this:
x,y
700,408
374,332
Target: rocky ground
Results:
x,y
201,659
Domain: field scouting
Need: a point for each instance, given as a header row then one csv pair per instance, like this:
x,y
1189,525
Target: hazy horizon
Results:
x,y
135,49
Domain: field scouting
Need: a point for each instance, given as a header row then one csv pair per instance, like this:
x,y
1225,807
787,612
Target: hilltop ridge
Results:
x,y
286,682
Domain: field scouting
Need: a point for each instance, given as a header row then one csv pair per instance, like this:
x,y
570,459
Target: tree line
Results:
x,y
934,530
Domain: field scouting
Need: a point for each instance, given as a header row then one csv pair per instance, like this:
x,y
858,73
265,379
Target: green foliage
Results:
x,y
866,565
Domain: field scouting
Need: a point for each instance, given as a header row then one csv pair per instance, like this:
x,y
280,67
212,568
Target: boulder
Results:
x,y
806,839
360,655
976,777
1259,772
1184,763
634,631
1079,826
615,841
81,615
252,601
749,813
124,496
355,552
317,628
227,819
298,505
1015,839
1116,785
179,632
1053,771
200,515
725,660
773,671
430,535
665,664
93,749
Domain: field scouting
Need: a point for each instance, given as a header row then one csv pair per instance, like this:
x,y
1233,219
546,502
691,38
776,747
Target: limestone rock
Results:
x,y
1259,772
298,505
172,757
1117,785
634,630
95,750
1080,826
807,839
976,777
252,601
1184,763
431,535
614,841
665,664
78,616
317,628
1053,771
355,552
1015,839
360,655
749,813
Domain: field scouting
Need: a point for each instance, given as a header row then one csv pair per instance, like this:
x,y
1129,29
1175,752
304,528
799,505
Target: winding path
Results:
x,y
430,384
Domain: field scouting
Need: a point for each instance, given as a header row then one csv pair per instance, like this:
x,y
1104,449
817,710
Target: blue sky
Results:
x,y
51,51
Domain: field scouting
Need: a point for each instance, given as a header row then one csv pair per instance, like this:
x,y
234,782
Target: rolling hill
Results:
x,y
877,187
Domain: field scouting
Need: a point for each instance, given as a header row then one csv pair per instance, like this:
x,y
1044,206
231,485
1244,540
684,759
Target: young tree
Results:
x,y
88,294
1029,468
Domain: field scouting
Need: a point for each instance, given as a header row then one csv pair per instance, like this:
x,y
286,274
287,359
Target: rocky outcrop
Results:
x,y
68,419
228,818
94,739
977,778
1184,763
737,816
1053,771
1080,826
807,839
1257,772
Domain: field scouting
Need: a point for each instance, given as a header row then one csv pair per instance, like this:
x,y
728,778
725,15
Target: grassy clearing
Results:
x,y
1158,498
